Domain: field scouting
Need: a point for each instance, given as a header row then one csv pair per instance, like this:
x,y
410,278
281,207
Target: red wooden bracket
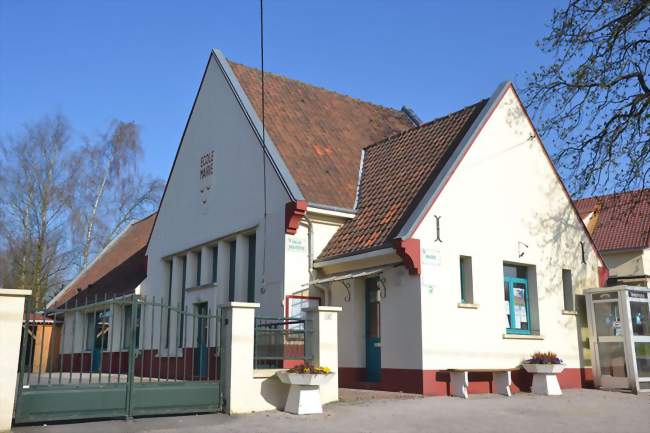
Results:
x,y
409,251
293,213
603,275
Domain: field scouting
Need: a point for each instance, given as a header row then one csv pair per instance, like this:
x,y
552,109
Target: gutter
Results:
x,y
356,257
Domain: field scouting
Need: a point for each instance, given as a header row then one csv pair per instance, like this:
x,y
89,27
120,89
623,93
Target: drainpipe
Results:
x,y
310,245
310,255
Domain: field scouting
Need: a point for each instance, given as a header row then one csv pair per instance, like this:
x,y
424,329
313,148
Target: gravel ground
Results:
x,y
577,411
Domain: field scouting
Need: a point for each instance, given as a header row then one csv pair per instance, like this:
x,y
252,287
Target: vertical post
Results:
x,y
206,265
322,336
237,355
223,272
241,267
12,304
131,361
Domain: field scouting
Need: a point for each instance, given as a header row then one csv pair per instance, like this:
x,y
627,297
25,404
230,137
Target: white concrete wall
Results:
x,y
248,390
324,341
503,193
12,304
297,276
197,213
400,323
352,323
296,265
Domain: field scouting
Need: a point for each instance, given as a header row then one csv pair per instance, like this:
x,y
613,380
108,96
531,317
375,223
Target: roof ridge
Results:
x,y
641,191
425,124
285,78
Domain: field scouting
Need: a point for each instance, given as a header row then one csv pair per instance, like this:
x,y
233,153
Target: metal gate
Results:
x,y
121,357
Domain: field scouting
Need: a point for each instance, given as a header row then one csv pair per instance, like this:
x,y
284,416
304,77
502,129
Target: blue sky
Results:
x,y
142,60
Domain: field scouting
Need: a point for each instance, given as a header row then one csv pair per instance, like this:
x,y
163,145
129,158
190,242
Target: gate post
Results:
x,y
324,346
238,332
12,304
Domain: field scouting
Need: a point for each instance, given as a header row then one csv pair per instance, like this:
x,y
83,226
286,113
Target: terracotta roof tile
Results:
x,y
623,220
396,172
319,133
118,264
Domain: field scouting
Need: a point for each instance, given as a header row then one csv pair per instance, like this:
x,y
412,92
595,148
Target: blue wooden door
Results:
x,y
99,337
373,331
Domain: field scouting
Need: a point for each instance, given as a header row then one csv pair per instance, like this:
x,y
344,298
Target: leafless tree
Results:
x,y
34,198
112,193
593,101
60,204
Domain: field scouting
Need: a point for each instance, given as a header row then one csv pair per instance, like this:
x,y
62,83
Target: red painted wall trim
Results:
x,y
436,382
603,276
409,251
289,297
293,213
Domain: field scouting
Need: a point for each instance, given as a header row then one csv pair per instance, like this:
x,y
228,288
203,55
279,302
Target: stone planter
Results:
x,y
304,391
545,378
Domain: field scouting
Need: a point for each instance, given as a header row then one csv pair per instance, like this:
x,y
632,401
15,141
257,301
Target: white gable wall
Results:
x,y
234,202
503,194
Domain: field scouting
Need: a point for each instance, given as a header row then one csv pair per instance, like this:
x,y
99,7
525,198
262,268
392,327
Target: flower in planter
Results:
x,y
309,369
544,358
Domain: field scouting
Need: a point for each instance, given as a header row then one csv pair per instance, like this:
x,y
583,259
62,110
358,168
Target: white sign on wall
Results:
x,y
431,257
429,288
431,260
206,175
296,245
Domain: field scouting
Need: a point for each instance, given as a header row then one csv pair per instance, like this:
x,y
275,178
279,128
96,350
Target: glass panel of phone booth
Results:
x,y
611,343
608,319
640,318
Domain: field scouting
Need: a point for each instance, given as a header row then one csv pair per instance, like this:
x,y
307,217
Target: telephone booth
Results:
x,y
619,336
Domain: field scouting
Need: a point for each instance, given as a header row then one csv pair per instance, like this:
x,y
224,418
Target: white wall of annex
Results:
x,y
626,263
297,251
400,322
503,203
352,323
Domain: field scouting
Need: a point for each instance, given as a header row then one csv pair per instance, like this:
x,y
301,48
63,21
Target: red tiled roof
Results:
x,y
319,133
114,267
396,173
622,220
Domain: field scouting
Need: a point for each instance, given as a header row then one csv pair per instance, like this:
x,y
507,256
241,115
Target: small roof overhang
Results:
x,y
350,275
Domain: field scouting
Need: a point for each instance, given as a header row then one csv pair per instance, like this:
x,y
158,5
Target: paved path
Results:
x,y
578,411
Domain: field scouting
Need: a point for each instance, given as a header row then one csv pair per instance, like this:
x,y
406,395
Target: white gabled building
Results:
x,y
451,244
213,208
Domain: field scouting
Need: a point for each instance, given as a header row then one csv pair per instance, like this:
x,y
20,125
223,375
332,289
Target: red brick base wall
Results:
x,y
433,382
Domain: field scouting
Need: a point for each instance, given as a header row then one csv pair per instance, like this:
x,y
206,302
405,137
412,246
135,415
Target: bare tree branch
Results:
x,y
593,101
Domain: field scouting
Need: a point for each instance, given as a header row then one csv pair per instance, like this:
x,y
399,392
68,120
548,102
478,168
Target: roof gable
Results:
x,y
319,133
618,221
395,174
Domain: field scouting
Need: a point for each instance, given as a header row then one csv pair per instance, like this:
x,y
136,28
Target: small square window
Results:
x,y
466,282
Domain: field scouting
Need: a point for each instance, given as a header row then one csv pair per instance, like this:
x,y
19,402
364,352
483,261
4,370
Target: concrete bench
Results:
x,y
501,378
